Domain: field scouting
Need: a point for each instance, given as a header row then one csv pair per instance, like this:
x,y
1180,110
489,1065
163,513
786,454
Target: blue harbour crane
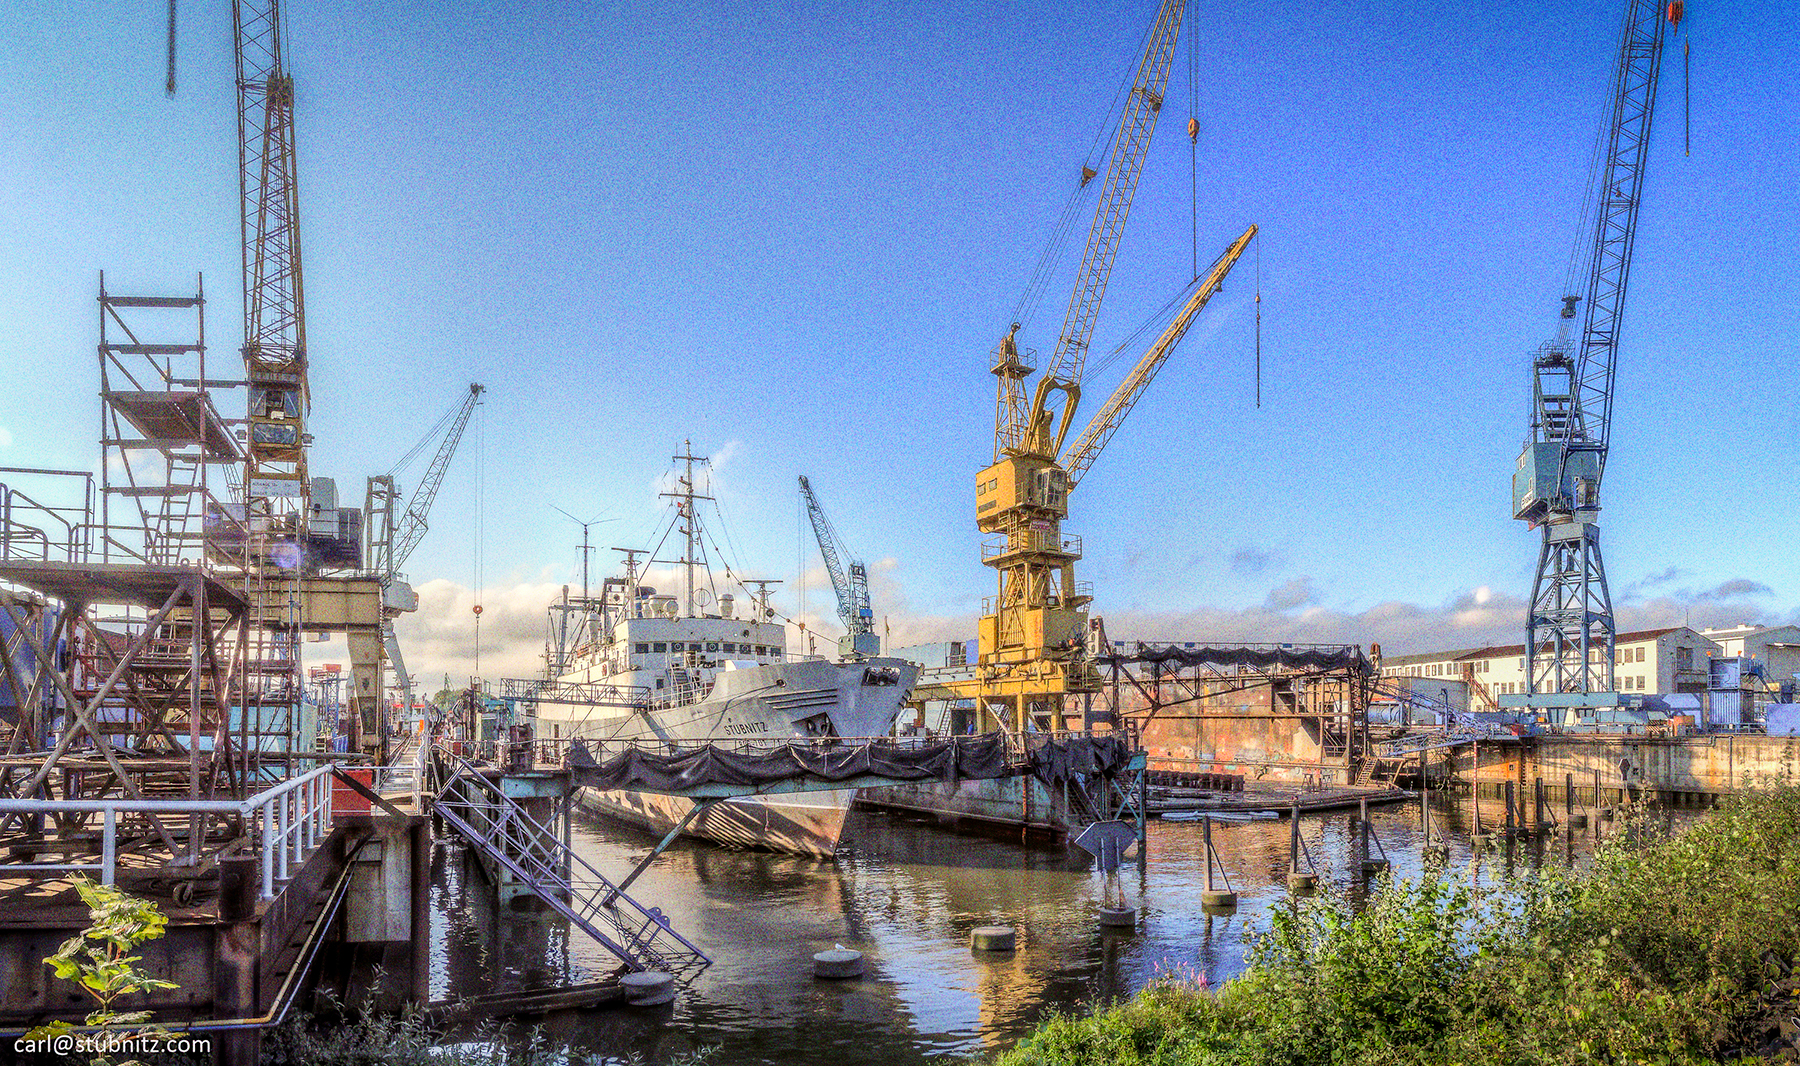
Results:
x,y
851,583
1569,628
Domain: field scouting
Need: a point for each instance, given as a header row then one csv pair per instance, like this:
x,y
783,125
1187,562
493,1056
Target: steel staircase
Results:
x,y
479,811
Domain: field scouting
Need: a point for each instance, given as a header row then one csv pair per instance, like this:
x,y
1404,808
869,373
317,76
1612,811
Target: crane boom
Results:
x,y
1087,447
851,583
1030,430
1035,630
1615,230
277,491
418,509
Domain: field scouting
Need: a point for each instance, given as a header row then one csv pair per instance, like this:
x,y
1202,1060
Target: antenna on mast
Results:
x,y
685,508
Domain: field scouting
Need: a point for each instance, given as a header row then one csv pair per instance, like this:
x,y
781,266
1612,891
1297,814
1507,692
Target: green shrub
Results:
x,y
1655,956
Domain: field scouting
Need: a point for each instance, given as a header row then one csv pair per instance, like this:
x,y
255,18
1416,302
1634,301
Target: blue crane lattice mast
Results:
x,y
851,583
1569,628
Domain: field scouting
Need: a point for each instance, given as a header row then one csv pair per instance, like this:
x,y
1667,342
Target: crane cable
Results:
x,y
1157,320
480,523
431,435
169,80
1259,320
1193,128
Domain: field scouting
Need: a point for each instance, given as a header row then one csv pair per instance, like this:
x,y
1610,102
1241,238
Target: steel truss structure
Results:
x,y
1326,687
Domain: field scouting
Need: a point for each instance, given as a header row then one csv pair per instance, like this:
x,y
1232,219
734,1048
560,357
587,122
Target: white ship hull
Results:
x,y
747,706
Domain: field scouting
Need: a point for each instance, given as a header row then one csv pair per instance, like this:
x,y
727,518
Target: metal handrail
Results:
x,y
287,820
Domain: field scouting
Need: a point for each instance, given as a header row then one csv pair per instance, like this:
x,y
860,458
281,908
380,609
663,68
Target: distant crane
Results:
x,y
1569,628
851,583
391,540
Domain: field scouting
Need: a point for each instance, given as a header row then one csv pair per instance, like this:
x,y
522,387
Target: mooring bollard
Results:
x,y
1118,918
993,938
1212,898
838,963
648,988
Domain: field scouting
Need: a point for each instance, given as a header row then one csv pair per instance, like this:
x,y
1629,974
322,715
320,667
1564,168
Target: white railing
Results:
x,y
286,821
405,778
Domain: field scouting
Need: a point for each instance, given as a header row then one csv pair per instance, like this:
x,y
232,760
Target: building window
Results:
x,y
1640,655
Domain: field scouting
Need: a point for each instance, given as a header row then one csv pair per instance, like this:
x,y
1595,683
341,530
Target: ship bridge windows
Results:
x,y
730,648
712,646
659,647
677,646
642,649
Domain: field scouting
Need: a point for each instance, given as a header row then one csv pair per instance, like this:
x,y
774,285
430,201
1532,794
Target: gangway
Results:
x,y
1457,727
479,810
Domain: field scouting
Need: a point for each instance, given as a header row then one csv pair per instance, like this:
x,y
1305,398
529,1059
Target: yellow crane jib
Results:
x,y
1087,448
1015,427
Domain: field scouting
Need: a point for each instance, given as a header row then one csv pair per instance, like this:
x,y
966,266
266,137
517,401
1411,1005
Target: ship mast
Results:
x,y
685,508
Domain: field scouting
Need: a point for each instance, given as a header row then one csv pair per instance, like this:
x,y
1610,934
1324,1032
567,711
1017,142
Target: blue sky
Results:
x,y
792,232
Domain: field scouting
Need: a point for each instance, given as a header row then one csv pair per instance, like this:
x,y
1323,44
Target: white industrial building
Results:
x,y
1650,660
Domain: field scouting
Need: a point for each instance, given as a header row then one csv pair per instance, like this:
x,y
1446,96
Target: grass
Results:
x,y
1666,952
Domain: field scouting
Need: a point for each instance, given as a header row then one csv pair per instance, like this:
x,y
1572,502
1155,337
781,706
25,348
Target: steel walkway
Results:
x,y
480,812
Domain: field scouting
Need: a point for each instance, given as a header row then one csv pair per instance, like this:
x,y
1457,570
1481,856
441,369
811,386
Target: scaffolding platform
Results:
x,y
140,585
174,420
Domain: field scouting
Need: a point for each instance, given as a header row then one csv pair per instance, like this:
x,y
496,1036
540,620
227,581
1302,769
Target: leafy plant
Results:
x,y
100,960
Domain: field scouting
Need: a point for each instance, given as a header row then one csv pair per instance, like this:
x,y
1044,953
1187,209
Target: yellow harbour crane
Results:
x,y
1034,634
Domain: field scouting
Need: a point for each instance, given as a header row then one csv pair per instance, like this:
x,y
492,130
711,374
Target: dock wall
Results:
x,y
1013,808
1287,750
1669,769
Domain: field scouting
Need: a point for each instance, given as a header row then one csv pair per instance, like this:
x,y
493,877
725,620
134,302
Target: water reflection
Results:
x,y
907,896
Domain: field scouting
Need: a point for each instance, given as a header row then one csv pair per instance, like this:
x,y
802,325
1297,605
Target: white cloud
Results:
x,y
439,640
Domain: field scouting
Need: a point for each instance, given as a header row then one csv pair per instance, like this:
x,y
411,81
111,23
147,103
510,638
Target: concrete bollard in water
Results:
x,y
1302,884
650,988
838,963
993,938
1118,917
1218,900
1373,867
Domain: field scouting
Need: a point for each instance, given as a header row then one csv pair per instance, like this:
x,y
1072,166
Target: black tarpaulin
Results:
x,y
982,756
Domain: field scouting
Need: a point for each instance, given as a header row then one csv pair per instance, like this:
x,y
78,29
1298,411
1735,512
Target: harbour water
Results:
x,y
907,896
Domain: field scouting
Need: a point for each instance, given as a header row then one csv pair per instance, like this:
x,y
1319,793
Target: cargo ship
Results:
x,y
634,665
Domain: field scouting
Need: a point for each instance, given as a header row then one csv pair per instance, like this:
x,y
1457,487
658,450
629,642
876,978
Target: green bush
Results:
x,y
1658,955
